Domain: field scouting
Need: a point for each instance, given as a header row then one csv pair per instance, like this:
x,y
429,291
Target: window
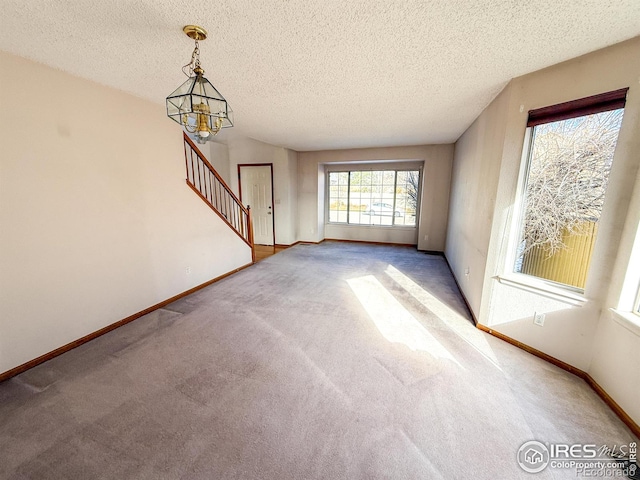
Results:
x,y
628,305
374,197
570,151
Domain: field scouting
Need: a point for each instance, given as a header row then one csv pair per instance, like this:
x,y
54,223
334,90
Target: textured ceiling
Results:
x,y
321,74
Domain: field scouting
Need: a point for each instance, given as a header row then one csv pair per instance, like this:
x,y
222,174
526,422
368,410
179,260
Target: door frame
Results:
x,y
273,203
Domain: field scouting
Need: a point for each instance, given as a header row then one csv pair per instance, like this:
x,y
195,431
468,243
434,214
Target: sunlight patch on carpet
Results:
x,y
393,321
456,322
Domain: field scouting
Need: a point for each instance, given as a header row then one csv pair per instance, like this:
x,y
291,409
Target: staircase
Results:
x,y
212,189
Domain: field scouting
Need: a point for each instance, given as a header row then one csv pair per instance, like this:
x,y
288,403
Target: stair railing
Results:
x,y
205,181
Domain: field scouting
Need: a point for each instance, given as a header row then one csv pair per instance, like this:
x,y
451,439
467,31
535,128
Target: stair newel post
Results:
x,y
250,233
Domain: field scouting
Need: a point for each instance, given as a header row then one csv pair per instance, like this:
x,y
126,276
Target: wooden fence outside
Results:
x,y
568,266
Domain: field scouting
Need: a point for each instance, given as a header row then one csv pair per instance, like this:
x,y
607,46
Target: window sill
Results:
x,y
628,320
544,289
352,225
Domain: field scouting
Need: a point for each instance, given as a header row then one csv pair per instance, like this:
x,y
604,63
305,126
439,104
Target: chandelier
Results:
x,y
196,104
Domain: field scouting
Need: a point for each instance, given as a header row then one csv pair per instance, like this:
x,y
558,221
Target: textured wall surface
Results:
x,y
285,189
476,170
571,332
97,221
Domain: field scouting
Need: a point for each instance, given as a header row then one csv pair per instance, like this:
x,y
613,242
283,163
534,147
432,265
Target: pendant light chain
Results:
x,y
194,64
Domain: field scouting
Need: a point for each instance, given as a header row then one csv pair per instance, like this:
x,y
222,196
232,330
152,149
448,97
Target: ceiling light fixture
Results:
x,y
196,104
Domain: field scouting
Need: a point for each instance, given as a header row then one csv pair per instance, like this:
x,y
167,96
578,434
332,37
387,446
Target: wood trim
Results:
x,y
87,338
617,409
534,351
254,165
602,102
626,419
273,201
213,170
304,242
368,242
204,199
251,242
433,252
611,403
466,302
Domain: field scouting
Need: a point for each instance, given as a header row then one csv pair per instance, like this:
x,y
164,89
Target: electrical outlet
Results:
x,y
188,270
538,319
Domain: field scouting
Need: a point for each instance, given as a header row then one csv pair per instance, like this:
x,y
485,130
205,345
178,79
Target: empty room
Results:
x,y
319,240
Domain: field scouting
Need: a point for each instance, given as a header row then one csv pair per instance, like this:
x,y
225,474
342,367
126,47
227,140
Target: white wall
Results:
x,y
246,150
492,147
96,220
430,235
476,169
616,358
218,156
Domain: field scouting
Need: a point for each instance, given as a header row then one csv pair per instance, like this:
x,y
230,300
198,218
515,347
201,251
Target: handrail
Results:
x,y
213,170
214,191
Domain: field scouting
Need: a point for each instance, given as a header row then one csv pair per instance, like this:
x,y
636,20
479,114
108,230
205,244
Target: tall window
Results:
x,y
571,149
374,197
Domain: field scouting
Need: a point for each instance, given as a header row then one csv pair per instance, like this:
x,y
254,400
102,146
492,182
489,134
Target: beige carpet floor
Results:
x,y
331,361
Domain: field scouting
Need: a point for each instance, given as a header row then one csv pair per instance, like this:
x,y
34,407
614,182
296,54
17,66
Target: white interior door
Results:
x,y
256,189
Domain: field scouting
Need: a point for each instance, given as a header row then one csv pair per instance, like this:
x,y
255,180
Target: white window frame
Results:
x,y
540,286
536,283
627,312
348,168
560,291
